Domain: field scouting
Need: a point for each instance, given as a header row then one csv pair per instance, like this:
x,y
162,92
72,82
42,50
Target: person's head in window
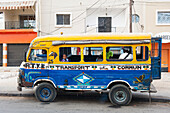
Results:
x,y
126,53
125,50
65,59
44,52
107,49
108,53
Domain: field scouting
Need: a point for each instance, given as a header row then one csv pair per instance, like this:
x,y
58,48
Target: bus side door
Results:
x,y
156,58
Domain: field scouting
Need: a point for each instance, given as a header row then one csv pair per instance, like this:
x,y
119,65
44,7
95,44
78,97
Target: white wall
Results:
x,y
2,24
118,16
80,10
86,16
151,17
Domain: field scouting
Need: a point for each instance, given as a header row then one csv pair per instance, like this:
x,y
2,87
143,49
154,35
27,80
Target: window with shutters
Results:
x,y
163,18
104,24
63,20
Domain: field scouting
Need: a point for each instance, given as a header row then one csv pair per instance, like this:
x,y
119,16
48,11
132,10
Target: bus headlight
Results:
x,y
21,72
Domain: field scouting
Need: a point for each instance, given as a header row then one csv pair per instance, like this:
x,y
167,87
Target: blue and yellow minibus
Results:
x,y
116,64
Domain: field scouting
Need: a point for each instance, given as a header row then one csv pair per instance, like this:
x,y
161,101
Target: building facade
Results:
x,y
29,18
157,22
86,16
17,24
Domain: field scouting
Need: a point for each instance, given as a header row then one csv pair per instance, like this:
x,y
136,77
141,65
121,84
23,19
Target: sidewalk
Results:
x,y
8,83
8,86
163,89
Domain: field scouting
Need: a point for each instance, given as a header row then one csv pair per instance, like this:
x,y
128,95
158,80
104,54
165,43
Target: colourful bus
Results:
x,y
117,64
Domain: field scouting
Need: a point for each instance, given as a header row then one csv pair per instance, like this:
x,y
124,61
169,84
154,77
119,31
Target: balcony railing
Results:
x,y
105,29
20,25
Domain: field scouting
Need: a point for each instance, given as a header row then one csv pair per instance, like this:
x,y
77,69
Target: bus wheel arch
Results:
x,y
37,82
113,83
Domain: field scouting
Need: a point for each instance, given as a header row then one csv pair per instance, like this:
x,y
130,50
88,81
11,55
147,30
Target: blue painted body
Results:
x,y
96,79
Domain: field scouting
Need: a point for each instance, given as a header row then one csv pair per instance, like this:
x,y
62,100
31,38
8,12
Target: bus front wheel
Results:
x,y
45,92
120,95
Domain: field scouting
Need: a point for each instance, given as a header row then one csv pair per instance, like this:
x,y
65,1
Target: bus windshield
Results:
x,y
38,55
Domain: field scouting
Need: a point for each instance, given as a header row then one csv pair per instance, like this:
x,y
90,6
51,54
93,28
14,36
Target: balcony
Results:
x,y
20,24
106,29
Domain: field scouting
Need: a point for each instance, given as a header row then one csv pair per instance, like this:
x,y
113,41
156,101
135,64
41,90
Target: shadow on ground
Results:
x,y
63,98
91,97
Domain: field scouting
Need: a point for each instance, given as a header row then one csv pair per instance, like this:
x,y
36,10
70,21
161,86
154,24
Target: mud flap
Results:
x,y
152,89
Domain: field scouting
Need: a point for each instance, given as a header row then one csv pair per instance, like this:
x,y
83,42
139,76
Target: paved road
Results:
x,y
81,103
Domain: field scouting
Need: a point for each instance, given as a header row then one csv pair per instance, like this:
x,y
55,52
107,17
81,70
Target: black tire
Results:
x,y
45,92
120,95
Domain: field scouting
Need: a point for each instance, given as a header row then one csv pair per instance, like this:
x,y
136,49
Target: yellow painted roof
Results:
x,y
95,37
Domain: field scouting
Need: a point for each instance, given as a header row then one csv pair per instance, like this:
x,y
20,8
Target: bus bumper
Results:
x,y
152,89
19,81
19,88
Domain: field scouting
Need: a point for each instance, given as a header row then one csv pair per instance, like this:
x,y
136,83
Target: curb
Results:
x,y
153,99
160,99
9,69
16,95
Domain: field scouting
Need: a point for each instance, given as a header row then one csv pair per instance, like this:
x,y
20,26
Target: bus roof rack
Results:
x,y
54,43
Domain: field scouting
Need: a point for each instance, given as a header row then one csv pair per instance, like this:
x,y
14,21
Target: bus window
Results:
x,y
38,55
93,54
119,53
142,53
155,49
69,54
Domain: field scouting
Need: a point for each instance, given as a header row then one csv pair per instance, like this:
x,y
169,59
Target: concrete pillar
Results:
x,y
168,60
4,55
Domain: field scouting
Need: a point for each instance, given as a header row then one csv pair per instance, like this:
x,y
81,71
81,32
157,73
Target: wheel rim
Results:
x,y
120,96
45,93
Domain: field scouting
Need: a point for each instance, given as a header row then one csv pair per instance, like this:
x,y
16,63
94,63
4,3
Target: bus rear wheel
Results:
x,y
120,95
45,92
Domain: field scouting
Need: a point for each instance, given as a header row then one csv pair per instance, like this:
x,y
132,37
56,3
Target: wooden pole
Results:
x,y
130,15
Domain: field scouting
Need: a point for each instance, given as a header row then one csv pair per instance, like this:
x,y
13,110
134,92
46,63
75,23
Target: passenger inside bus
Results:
x,y
65,59
42,56
38,55
126,54
119,53
69,54
108,53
